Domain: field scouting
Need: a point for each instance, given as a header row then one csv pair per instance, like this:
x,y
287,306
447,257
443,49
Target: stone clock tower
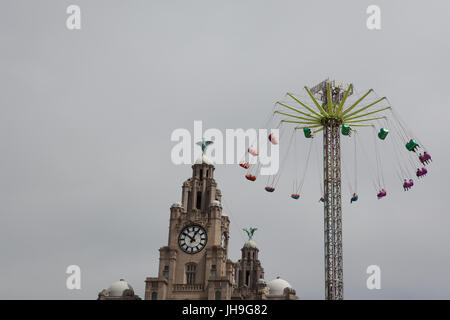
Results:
x,y
195,264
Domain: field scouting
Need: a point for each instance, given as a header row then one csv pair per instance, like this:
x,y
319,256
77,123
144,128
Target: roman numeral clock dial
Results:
x,y
192,239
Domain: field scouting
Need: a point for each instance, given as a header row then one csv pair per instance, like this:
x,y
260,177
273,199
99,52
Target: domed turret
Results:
x,y
204,160
215,203
261,282
250,244
118,288
277,286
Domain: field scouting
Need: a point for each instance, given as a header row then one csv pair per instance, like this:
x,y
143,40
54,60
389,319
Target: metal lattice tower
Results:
x,y
334,284
334,269
329,114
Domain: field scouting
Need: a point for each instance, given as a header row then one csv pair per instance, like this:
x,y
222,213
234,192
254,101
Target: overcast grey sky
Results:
x,y
86,118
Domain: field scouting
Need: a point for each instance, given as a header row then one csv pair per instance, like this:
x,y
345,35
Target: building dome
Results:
x,y
117,288
215,203
204,159
261,282
250,244
277,286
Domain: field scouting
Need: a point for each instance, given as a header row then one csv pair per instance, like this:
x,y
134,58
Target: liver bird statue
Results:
x,y
250,232
204,144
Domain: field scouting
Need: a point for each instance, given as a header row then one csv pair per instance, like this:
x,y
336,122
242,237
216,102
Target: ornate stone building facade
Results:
x,y
249,279
248,271
194,264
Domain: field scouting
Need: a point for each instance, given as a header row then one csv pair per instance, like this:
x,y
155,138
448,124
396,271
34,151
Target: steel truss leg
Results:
x,y
334,284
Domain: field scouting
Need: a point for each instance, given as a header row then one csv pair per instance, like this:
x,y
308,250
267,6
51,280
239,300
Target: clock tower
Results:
x,y
195,264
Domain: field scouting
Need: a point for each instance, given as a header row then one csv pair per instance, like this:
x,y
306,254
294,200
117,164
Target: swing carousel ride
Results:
x,y
366,122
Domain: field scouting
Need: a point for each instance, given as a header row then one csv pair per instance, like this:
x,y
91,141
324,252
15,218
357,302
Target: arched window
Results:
x,y
190,273
189,200
154,295
218,295
166,272
199,199
213,270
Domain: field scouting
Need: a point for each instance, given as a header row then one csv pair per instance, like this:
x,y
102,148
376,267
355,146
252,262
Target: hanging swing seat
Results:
x,y
421,172
381,194
322,199
269,189
295,196
250,177
354,198
253,151
273,139
412,145
408,184
383,133
244,165
307,132
346,129
425,158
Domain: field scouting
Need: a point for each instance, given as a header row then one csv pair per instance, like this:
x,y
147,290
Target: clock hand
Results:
x,y
192,238
196,232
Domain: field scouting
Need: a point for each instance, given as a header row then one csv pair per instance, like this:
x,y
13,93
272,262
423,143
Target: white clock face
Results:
x,y
192,239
